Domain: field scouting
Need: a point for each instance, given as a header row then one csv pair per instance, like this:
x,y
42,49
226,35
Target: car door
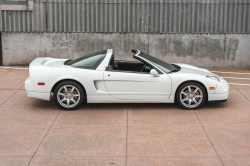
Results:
x,y
137,86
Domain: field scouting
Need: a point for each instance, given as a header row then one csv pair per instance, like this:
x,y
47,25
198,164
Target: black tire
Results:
x,y
191,100
68,100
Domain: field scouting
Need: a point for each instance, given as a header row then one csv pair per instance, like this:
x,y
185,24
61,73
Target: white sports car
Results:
x,y
98,78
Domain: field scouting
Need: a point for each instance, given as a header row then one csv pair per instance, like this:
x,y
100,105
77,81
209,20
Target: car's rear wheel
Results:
x,y
191,95
69,95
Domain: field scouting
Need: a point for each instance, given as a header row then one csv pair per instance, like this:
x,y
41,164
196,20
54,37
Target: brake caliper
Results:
x,y
75,96
197,94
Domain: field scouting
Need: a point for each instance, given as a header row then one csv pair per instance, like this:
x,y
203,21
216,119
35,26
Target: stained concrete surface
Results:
x,y
36,132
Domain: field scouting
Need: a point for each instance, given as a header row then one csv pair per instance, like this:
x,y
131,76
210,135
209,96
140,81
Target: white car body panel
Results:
x,y
119,87
136,86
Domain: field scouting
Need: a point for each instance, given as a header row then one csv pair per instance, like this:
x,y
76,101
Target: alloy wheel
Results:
x,y
68,96
191,96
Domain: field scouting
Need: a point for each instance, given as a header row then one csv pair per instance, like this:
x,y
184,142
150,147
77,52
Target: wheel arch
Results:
x,y
58,82
191,81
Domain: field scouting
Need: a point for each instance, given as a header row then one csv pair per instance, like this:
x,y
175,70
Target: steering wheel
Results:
x,y
143,68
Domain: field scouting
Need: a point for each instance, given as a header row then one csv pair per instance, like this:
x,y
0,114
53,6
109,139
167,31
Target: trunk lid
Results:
x,y
48,62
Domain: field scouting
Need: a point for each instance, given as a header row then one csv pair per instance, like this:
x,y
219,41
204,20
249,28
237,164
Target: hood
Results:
x,y
193,69
185,68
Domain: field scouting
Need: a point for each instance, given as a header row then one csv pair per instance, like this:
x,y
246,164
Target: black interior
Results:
x,y
131,66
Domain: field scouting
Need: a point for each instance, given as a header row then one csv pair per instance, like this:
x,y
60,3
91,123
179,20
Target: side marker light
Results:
x,y
41,83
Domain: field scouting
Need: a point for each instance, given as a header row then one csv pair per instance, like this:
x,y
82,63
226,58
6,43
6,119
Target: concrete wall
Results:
x,y
206,50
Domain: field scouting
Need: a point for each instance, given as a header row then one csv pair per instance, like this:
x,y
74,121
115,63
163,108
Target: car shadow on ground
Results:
x,y
51,105
43,104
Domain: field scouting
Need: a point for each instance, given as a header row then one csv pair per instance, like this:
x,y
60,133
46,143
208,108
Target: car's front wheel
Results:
x,y
191,95
68,95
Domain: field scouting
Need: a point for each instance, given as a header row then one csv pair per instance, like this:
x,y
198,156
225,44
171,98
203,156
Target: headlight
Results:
x,y
214,78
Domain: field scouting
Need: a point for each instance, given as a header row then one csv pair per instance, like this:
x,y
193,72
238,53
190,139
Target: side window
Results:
x,y
88,63
91,61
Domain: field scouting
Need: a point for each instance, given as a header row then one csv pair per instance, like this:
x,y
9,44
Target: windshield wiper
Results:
x,y
177,68
67,61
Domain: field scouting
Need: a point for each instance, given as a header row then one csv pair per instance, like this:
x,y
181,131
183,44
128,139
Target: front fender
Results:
x,y
177,80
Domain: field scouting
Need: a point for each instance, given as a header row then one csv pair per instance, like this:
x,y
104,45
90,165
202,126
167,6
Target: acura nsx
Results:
x,y
99,78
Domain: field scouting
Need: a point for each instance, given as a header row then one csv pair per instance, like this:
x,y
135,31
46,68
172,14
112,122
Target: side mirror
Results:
x,y
154,73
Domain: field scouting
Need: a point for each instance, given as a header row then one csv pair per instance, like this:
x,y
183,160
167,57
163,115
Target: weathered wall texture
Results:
x,y
225,50
200,32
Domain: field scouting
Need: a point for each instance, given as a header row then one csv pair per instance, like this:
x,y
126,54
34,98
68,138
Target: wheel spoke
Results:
x,y
184,93
65,88
196,90
189,89
73,100
185,99
189,103
62,94
195,101
63,99
196,96
72,90
68,102
75,95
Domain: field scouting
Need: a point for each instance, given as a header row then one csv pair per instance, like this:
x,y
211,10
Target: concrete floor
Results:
x,y
36,132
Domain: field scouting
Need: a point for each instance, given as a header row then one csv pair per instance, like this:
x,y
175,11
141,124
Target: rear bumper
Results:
x,y
29,86
39,95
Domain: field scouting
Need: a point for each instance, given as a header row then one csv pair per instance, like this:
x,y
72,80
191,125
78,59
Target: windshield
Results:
x,y
88,61
166,67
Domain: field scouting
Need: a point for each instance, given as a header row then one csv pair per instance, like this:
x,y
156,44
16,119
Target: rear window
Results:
x,y
90,61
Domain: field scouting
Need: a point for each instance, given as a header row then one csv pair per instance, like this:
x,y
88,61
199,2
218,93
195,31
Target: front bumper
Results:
x,y
219,97
221,92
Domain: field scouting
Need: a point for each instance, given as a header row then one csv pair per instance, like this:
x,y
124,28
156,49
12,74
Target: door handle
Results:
x,y
108,74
